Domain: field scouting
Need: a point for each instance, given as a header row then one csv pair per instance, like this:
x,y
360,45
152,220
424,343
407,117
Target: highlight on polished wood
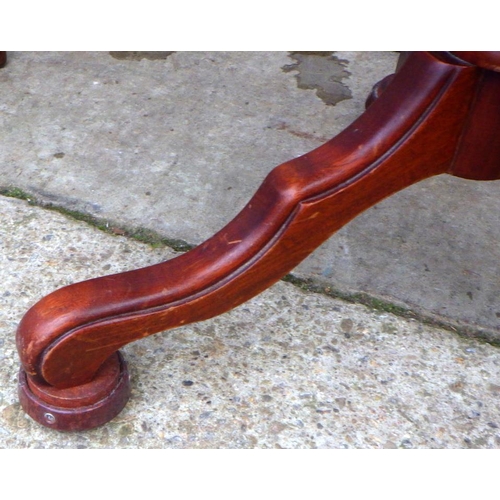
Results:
x,y
438,114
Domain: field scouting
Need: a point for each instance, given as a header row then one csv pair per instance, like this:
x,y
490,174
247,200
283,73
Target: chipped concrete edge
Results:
x,y
372,301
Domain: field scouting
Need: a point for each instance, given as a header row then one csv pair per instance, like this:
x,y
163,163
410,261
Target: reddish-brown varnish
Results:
x,y
439,113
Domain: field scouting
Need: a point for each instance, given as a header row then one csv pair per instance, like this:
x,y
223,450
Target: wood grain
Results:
x,y
432,117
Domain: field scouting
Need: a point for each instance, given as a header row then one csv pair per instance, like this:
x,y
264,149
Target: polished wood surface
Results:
x,y
488,60
81,407
437,114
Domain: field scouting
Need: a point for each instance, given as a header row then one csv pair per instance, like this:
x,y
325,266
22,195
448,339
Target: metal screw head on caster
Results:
x,y
49,418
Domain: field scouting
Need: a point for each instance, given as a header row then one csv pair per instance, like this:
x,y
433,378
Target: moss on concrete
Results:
x,y
156,240
143,235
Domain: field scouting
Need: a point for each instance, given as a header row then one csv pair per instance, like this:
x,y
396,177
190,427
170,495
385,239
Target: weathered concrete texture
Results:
x,y
178,143
321,71
288,369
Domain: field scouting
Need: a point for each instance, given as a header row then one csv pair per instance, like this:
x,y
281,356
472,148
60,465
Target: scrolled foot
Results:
x,y
81,407
419,124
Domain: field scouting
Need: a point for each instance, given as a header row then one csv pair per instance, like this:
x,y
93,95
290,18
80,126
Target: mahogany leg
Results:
x,y
436,115
3,59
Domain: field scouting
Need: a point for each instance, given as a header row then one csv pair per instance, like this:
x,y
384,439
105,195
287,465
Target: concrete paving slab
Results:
x,y
178,142
288,369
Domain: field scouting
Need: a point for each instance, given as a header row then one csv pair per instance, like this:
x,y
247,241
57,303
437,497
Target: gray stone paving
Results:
x,y
177,143
288,369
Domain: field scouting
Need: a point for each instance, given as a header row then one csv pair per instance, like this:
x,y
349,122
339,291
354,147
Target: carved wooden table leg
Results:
x,y
3,59
439,114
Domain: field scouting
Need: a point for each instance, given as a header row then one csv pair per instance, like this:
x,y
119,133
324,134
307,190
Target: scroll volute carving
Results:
x,y
412,129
